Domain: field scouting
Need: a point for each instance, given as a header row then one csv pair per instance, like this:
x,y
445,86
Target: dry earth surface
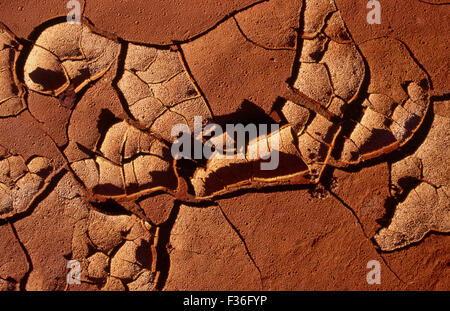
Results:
x,y
88,182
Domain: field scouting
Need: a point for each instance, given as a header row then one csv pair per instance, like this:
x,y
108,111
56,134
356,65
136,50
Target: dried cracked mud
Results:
x,y
89,188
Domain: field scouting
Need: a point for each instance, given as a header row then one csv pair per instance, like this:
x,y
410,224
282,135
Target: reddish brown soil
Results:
x,y
240,57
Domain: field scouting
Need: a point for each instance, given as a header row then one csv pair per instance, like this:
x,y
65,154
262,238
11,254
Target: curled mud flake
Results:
x,y
166,65
336,30
418,99
139,142
424,180
415,107
323,130
290,164
404,124
315,13
418,93
113,249
313,49
382,104
147,111
405,173
385,124
391,69
227,174
44,73
87,171
424,209
77,71
179,88
98,266
360,136
320,90
337,106
100,52
113,284
163,124
107,231
62,40
40,166
350,152
126,262
192,108
110,178
149,144
152,171
380,136
83,56
133,88
435,154
146,281
17,167
11,102
139,57
295,115
312,150
131,161
25,189
20,184
347,69
112,144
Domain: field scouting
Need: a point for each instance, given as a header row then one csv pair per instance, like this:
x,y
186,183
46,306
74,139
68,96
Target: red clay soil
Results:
x,y
422,26
169,20
86,173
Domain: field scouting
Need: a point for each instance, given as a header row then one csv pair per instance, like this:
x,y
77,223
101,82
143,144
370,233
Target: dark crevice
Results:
x,y
440,97
409,148
263,189
298,54
241,31
371,240
42,195
163,248
174,42
191,77
348,207
110,207
118,75
236,230
24,280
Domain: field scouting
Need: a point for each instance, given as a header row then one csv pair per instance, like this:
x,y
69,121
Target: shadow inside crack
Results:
x,y
48,79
